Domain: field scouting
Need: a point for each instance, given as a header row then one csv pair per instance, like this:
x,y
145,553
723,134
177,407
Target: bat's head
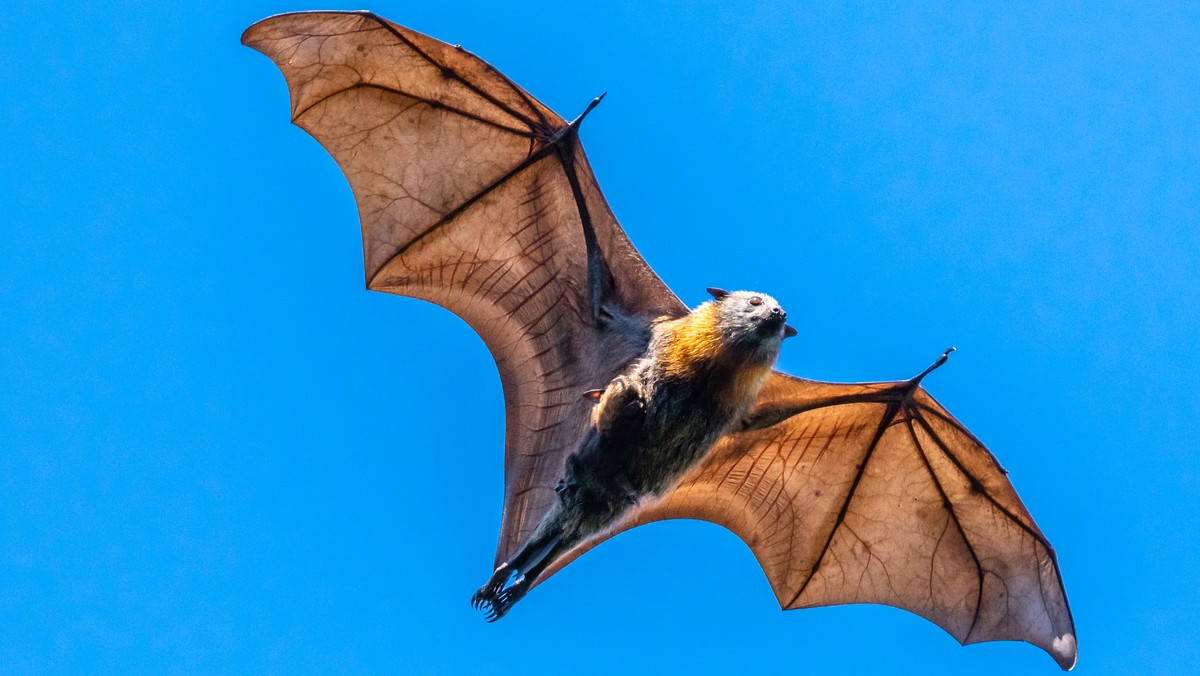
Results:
x,y
752,320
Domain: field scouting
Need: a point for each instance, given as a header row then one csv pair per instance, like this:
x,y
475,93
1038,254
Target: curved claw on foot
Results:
x,y
499,606
485,594
495,598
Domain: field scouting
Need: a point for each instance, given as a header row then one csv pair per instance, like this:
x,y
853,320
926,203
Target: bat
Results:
x,y
622,406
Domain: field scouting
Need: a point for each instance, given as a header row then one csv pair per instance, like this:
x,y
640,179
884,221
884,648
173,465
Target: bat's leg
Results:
x,y
498,595
561,529
520,587
492,587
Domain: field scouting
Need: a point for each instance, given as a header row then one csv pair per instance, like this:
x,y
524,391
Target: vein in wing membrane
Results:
x,y
873,493
406,163
532,292
464,203
868,493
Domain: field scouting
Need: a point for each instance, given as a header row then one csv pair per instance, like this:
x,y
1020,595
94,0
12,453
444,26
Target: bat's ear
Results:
x,y
593,395
789,331
717,293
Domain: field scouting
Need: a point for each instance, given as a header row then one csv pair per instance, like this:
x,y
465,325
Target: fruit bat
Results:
x,y
624,408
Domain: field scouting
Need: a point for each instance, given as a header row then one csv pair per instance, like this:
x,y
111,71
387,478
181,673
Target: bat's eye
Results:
x,y
755,300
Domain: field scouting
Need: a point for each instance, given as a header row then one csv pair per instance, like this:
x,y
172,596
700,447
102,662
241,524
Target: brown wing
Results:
x,y
873,493
475,196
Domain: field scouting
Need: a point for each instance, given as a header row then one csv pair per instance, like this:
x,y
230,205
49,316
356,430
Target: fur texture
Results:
x,y
699,375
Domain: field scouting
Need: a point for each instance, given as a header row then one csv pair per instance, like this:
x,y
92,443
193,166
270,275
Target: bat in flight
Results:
x,y
622,406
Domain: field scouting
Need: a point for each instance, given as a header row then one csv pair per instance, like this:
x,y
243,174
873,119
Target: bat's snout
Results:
x,y
776,319
781,316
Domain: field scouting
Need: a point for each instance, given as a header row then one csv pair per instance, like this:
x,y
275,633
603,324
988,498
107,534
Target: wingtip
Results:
x,y
248,39
1065,651
250,35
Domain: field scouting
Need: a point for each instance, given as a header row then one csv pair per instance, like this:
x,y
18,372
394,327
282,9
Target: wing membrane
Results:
x,y
475,196
875,494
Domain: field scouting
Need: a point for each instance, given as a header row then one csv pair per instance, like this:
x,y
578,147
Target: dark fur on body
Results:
x,y
698,376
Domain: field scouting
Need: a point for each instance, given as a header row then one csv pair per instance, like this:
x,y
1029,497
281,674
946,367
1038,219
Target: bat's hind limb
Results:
x,y
513,578
585,507
497,595
498,604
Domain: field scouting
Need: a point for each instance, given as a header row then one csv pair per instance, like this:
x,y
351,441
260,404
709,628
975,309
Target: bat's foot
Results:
x,y
515,577
488,592
495,599
496,605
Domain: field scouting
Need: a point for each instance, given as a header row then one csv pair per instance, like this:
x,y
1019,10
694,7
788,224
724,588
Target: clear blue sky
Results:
x,y
219,453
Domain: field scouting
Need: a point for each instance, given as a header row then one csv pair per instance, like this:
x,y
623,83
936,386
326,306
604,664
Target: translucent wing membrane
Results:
x,y
875,494
475,196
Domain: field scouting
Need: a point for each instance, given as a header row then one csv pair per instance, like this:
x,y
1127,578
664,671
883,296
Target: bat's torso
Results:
x,y
683,418
699,375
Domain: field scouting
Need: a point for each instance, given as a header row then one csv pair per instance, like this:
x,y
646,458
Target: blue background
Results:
x,y
219,453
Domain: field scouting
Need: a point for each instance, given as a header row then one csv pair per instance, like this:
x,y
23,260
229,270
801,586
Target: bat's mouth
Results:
x,y
774,322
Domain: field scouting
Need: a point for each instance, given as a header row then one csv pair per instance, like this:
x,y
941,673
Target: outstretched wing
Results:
x,y
874,493
475,196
